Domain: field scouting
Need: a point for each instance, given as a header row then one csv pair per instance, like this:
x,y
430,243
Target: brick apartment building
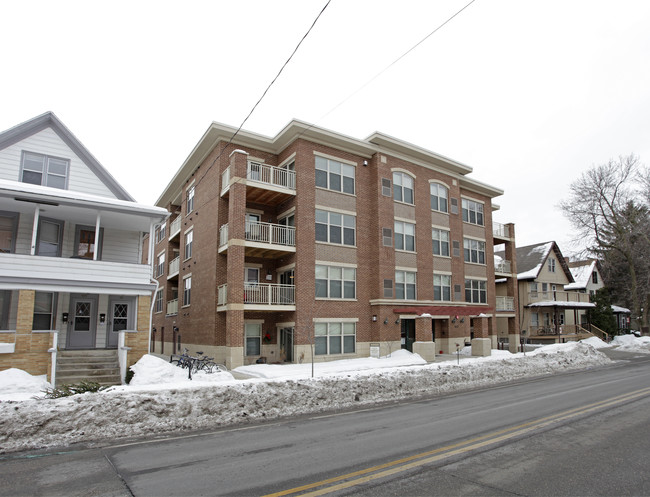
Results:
x,y
313,240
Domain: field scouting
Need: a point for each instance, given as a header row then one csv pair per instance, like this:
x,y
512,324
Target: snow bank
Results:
x,y
631,343
16,384
151,370
596,342
151,409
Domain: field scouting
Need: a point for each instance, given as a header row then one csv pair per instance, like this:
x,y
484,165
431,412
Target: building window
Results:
x,y
442,287
387,236
404,285
533,289
333,227
190,199
334,175
594,278
43,311
551,265
439,195
474,251
159,301
187,290
534,320
440,240
403,188
5,305
189,237
388,289
404,236
335,282
50,237
160,234
160,265
472,212
253,339
84,242
475,291
385,187
335,338
8,230
38,169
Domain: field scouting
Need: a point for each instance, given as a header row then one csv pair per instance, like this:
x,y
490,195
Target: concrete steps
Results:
x,y
99,365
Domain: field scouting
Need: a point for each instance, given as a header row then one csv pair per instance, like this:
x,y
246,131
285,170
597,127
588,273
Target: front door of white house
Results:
x,y
120,318
82,322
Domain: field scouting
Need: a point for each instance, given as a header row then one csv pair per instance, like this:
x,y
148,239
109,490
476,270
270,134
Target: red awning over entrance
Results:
x,y
445,310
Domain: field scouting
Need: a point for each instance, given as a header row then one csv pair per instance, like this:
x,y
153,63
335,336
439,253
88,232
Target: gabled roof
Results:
x,y
49,120
581,272
531,260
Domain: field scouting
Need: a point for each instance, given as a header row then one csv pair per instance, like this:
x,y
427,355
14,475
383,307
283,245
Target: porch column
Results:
x,y
481,344
424,344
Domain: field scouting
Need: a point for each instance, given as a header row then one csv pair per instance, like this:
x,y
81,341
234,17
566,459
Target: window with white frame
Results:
x,y
405,285
187,290
332,227
190,199
405,236
39,169
439,196
253,338
440,240
551,264
160,265
335,282
472,212
474,251
189,239
533,289
534,320
8,230
335,338
442,287
44,311
160,233
158,306
388,289
403,187
334,175
475,291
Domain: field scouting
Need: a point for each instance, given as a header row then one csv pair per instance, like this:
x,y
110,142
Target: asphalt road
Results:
x,y
583,433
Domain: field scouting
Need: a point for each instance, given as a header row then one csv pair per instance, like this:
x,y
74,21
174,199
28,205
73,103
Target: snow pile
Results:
x,y
16,384
152,408
631,343
151,370
596,342
398,358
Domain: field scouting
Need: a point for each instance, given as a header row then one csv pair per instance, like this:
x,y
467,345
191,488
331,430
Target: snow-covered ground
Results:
x,y
161,399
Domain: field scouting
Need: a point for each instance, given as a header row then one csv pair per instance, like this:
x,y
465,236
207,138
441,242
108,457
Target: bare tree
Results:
x,y
608,207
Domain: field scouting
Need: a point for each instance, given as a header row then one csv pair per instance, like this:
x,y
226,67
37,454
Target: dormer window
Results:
x,y
39,169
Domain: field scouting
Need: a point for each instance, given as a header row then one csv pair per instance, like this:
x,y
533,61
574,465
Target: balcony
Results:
x,y
503,267
505,304
559,299
173,268
175,228
172,307
262,239
262,296
500,231
269,185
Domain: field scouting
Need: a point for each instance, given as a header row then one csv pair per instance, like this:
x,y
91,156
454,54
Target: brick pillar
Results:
x,y
481,328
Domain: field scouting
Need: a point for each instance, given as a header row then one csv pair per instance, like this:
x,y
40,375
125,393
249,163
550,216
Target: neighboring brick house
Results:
x,y
547,311
73,289
313,240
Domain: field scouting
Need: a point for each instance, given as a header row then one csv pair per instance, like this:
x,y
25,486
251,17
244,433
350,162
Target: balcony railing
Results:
x,y
558,296
500,230
505,304
172,306
269,233
503,267
173,267
262,294
175,227
271,175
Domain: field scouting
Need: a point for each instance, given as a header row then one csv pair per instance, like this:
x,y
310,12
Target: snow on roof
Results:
x,y
531,258
616,308
562,303
581,274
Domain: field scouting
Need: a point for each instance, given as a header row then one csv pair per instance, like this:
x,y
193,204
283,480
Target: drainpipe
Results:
x,y
53,350
152,229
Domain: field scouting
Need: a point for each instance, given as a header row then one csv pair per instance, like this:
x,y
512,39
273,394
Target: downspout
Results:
x,y
152,228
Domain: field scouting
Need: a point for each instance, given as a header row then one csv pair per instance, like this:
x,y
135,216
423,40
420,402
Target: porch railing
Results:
x,y
559,296
505,303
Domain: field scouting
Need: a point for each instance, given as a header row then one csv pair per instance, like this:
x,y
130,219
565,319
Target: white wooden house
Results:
x,y
75,297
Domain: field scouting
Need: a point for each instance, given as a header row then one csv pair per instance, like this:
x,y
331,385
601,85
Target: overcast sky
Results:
x,y
527,93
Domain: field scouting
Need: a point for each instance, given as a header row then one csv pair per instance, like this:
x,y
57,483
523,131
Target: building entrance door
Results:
x,y
82,322
408,333
286,344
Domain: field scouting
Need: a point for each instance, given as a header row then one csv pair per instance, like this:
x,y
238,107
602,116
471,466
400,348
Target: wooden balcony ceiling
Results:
x,y
266,196
271,252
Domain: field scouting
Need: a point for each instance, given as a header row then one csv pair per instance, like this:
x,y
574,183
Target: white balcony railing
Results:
x,y
225,180
172,306
271,175
175,227
223,235
269,233
262,294
558,296
503,266
505,303
500,230
173,267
